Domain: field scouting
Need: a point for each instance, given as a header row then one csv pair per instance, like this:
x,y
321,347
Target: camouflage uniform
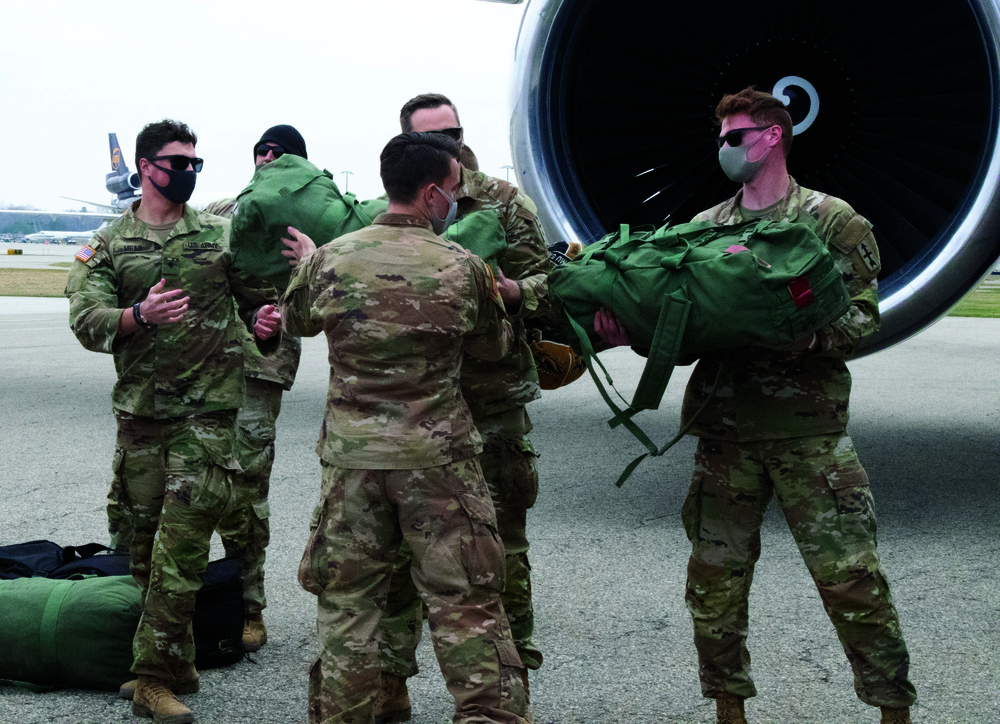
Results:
x,y
777,424
497,393
175,399
399,305
245,531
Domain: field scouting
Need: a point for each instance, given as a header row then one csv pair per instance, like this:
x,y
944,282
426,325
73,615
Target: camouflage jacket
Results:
x,y
399,306
173,370
494,387
765,394
281,365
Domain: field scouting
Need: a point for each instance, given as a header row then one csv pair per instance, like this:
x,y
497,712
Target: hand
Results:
x,y
163,307
510,291
268,322
300,247
609,329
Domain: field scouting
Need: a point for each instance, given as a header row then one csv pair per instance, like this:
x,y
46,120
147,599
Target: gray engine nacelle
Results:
x,y
896,107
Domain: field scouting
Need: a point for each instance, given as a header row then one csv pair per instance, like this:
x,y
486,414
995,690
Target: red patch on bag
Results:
x,y
736,249
802,293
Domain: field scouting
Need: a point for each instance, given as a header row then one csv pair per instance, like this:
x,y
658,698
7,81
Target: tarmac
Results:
x,y
609,564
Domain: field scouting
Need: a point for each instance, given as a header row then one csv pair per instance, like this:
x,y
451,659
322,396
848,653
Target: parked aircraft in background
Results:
x,y
121,182
59,237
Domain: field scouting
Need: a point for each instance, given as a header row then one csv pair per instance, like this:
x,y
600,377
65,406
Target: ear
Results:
x,y
776,133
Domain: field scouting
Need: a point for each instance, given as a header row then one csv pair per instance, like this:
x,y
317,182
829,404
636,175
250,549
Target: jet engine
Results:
x,y
896,105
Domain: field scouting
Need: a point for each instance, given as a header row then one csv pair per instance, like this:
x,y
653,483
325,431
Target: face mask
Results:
x,y
180,187
441,225
736,165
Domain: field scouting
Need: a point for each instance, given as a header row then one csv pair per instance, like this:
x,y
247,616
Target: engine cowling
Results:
x,y
896,108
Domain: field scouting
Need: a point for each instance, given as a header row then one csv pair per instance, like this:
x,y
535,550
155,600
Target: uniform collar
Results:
x,y
787,209
133,227
402,220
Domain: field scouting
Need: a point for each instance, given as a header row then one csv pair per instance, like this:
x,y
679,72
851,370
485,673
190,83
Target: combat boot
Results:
x,y
729,709
392,705
186,683
254,632
154,700
892,715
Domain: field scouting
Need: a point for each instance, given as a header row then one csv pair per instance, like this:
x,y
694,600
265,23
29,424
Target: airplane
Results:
x,y
612,122
121,182
60,237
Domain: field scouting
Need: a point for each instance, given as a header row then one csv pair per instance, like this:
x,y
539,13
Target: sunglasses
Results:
x,y
263,149
179,162
735,137
453,133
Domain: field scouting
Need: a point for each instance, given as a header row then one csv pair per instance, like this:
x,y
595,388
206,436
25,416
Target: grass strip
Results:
x,y
32,282
981,302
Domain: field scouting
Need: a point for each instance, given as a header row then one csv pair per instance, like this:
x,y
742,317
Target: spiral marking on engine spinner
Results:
x,y
794,80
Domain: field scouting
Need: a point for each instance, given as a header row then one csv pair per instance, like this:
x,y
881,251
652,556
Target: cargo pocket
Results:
x,y
521,473
853,498
313,567
482,549
512,695
691,509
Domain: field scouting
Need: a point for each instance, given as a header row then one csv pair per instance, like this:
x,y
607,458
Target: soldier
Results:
x,y
155,289
399,306
245,531
497,393
777,425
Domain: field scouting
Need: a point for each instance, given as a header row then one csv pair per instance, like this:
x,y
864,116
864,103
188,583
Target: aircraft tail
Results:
x,y
120,182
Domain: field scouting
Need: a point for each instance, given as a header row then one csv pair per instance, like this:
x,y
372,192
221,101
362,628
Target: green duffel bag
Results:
x,y
686,290
291,191
68,633
481,233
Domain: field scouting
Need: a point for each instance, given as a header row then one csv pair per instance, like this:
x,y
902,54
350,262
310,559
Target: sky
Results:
x,y
338,70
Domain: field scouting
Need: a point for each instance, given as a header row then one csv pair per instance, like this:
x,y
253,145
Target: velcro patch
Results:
x,y
85,253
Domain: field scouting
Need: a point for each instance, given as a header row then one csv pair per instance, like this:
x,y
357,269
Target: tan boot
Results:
x,y
154,700
891,715
729,709
392,704
186,683
254,632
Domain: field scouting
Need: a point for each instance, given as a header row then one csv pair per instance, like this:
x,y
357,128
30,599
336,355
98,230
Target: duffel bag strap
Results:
x,y
623,417
663,353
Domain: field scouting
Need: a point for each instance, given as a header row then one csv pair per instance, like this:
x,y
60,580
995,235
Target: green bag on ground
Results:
x,y
481,233
686,290
68,633
291,191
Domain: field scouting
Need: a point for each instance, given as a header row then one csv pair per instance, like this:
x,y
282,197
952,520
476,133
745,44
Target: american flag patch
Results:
x,y
85,253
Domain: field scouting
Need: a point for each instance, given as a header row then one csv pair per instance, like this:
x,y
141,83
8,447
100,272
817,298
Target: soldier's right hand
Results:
x,y
164,307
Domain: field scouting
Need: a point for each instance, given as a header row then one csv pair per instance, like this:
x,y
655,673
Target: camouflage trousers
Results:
x,y
508,464
823,492
245,532
177,480
446,515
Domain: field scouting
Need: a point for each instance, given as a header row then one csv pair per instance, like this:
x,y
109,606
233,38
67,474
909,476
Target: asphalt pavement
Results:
x,y
609,564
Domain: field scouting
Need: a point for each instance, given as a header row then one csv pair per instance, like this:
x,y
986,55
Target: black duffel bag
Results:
x,y
219,613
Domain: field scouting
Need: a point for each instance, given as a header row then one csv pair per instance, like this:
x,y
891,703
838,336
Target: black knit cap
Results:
x,y
285,136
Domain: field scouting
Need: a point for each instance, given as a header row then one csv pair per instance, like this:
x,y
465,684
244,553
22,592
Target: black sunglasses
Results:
x,y
179,162
263,148
735,137
454,133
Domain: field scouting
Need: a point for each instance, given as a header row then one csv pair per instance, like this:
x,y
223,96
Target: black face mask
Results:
x,y
180,187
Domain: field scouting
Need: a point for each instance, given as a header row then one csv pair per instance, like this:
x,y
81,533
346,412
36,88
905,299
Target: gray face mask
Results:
x,y
735,164
441,225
